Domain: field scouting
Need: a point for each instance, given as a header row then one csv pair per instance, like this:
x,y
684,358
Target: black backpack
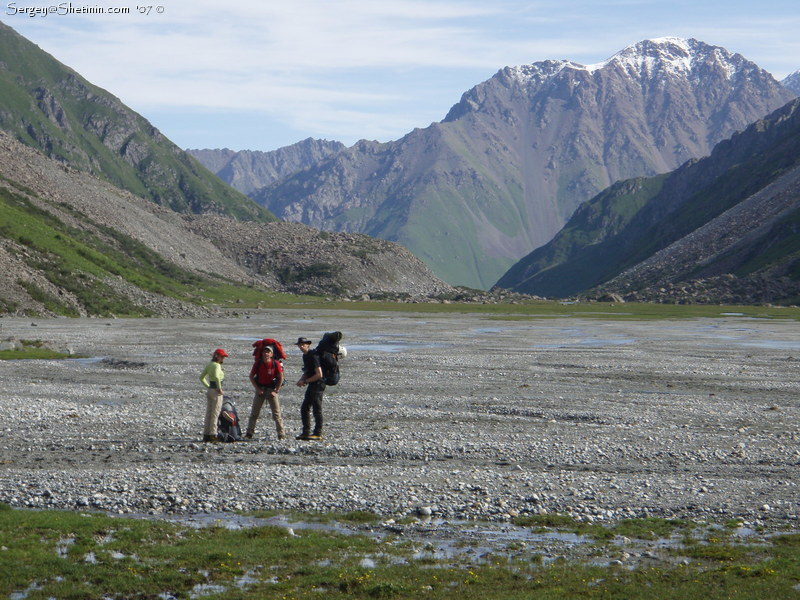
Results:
x,y
328,352
228,428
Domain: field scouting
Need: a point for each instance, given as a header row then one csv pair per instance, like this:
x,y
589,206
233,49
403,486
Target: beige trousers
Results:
x,y
274,405
213,406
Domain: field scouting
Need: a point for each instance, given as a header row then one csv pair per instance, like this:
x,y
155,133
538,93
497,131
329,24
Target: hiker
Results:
x,y
312,401
212,377
267,379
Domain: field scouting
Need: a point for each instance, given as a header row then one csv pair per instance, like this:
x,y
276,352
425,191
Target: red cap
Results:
x,y
221,352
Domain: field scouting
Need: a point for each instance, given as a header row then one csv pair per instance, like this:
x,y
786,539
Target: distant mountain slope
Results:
x,y
248,170
73,244
52,108
517,155
733,213
792,82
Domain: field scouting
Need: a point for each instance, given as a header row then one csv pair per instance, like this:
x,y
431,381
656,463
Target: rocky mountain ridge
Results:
x,y
506,168
73,244
720,229
248,171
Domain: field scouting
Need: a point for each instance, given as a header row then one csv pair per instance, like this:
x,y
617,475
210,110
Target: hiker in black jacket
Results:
x,y
315,386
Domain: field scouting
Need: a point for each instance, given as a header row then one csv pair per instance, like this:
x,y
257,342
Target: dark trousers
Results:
x,y
312,403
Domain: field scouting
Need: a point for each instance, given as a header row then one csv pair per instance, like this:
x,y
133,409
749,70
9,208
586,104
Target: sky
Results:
x,y
263,74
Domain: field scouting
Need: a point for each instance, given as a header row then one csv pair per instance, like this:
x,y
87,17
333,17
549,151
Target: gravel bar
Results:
x,y
450,416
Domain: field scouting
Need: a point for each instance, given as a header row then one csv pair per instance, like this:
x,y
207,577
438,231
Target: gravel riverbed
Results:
x,y
456,417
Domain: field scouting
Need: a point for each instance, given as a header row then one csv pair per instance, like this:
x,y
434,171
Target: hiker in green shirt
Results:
x,y
212,377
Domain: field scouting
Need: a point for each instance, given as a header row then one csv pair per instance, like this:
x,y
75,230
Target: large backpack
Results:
x,y
228,428
328,352
277,349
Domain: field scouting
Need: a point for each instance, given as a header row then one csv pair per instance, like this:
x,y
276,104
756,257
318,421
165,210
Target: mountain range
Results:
x,y
100,214
725,228
73,244
250,170
510,162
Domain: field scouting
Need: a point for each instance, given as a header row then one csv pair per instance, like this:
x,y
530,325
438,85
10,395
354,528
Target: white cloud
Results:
x,y
348,69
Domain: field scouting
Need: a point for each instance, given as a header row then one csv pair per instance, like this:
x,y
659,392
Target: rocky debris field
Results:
x,y
279,256
456,417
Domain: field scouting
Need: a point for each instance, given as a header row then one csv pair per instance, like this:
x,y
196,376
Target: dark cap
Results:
x,y
302,340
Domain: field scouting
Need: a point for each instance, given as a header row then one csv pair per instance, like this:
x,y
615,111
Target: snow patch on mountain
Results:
x,y
668,54
539,72
646,60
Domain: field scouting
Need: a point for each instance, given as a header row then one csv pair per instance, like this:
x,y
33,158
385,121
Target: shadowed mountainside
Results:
x,y
721,229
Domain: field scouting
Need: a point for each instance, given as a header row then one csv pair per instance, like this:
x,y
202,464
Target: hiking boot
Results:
x,y
303,436
315,436
210,438
281,436
248,436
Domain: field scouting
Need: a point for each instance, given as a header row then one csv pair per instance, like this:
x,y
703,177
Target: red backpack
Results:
x,y
277,349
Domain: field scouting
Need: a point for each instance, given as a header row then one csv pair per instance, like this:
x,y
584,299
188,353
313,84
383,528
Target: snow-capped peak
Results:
x,y
672,53
652,59
646,59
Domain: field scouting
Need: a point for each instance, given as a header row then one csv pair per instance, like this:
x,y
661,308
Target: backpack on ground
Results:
x,y
228,428
328,352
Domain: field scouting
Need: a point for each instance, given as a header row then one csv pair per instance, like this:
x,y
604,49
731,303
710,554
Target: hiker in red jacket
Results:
x,y
267,379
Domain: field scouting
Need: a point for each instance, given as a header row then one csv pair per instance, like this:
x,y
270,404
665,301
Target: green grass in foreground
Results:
x,y
32,353
65,555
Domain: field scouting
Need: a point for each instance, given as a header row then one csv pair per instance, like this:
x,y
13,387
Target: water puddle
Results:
x,y
378,347
113,363
489,331
481,542
88,362
206,589
443,540
391,347
586,343
25,593
438,539
63,545
773,344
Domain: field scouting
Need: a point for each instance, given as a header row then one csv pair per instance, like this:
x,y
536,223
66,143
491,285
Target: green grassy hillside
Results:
x,y
50,107
81,263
